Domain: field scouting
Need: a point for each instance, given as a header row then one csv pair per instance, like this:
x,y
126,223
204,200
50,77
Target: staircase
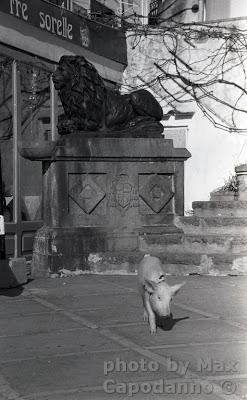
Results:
x,y
215,237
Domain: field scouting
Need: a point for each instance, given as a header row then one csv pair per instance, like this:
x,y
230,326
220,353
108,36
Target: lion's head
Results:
x,y
62,76
82,92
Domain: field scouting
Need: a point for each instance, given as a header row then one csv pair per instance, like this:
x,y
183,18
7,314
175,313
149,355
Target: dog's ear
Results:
x,y
150,286
175,288
162,278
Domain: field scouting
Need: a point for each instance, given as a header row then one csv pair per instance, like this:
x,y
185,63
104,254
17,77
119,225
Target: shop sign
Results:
x,y
102,40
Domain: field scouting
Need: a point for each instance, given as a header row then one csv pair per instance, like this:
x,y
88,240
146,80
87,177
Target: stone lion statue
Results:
x,y
90,106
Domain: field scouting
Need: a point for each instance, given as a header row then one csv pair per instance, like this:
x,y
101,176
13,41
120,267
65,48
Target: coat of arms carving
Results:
x,y
123,193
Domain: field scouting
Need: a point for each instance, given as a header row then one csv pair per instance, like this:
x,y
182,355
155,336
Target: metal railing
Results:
x,y
67,4
153,13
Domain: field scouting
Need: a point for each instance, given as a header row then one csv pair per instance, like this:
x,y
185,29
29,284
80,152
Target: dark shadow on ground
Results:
x,y
166,324
12,292
15,291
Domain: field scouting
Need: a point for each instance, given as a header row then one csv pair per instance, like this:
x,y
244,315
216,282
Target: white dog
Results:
x,y
156,293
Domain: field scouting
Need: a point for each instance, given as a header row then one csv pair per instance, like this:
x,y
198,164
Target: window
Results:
x,y
27,116
6,134
35,129
225,9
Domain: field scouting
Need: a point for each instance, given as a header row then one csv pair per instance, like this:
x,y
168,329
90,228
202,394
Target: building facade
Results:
x,y
33,37
198,10
215,152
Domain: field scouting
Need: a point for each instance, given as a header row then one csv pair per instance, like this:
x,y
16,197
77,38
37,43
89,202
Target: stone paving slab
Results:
x,y
221,302
53,343
55,354
242,321
102,395
131,313
75,371
21,307
241,385
192,281
33,324
158,389
89,302
76,282
205,330
85,287
129,282
207,360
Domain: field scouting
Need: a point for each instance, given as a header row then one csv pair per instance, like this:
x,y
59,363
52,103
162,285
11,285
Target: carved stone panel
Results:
x,y
156,190
123,194
85,191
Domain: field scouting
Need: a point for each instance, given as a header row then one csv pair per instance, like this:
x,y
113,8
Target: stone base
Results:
x,y
13,272
102,196
95,250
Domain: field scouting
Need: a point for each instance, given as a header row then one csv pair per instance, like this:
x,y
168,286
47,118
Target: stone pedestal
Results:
x,y
102,197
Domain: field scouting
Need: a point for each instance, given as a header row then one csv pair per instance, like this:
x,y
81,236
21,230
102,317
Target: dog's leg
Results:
x,y
151,315
142,293
145,313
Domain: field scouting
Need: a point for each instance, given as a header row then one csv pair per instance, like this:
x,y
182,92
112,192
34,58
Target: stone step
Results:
x,y
223,196
173,263
216,243
201,263
196,243
212,225
214,208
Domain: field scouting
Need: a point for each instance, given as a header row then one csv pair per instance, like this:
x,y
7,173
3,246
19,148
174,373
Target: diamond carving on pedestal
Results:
x,y
157,192
87,194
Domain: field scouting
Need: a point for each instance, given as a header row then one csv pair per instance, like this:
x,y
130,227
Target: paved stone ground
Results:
x,y
83,338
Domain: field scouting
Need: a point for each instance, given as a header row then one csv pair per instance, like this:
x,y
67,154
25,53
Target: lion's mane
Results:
x,y
82,92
